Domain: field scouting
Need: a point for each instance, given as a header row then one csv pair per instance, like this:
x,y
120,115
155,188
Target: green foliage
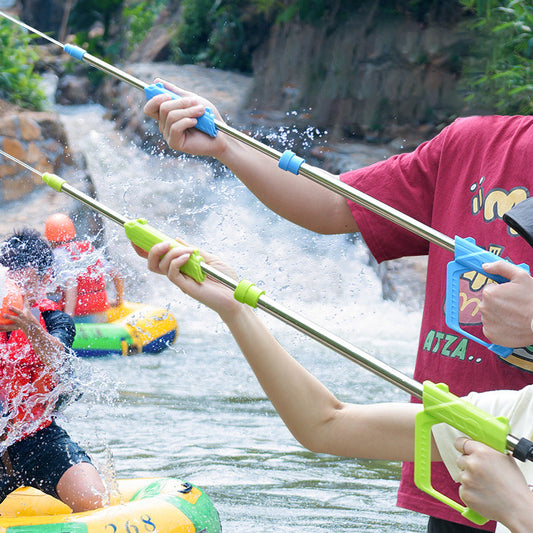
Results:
x,y
19,84
499,74
315,11
138,17
192,36
86,12
218,33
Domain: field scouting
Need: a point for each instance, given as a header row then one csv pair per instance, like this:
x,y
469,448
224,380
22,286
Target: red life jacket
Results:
x,y
25,381
92,294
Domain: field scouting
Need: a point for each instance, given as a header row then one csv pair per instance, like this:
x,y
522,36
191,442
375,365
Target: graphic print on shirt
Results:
x,y
496,203
491,206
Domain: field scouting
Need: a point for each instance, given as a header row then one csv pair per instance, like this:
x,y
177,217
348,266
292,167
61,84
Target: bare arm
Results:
x,y
118,282
70,293
316,418
312,413
294,197
48,348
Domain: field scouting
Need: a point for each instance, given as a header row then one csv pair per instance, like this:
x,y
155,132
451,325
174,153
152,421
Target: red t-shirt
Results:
x,y
460,183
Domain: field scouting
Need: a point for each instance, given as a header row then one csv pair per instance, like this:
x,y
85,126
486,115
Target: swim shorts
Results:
x,y
39,461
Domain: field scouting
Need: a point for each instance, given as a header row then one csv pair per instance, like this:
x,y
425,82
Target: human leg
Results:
x,y
50,461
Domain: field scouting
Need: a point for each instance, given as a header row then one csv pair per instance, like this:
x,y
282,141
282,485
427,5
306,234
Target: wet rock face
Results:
x,y
37,139
364,76
73,90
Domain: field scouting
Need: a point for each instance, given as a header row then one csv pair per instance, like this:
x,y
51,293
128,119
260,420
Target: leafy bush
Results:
x,y
192,36
138,18
219,33
314,11
499,75
19,84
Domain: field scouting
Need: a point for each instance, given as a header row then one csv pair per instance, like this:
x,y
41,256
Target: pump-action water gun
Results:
x,y
468,256
439,404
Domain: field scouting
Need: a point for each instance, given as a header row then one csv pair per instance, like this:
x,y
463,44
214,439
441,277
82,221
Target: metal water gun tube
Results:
x,y
439,405
468,256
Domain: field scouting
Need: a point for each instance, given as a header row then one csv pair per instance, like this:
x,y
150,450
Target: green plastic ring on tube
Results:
x,y
247,293
53,181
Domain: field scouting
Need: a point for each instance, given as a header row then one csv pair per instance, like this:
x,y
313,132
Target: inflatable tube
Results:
x,y
130,328
163,505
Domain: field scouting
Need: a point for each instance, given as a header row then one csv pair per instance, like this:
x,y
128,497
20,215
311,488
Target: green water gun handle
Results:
x,y
138,231
145,236
442,406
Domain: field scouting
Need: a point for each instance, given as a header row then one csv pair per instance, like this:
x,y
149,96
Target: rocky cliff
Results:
x,y
371,73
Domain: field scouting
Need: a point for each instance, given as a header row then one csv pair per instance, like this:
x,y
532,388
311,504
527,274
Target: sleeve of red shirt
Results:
x,y
405,182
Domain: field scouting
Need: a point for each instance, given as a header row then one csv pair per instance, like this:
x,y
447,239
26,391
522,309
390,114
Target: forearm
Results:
x,y
316,418
48,348
118,283
71,297
294,197
302,402
520,520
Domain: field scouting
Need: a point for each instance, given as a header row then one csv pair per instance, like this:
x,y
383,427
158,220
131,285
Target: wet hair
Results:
x,y
26,248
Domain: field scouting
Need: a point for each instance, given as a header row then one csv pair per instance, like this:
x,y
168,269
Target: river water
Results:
x,y
195,411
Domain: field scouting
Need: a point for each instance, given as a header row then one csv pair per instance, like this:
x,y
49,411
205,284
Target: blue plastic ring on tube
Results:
x,y
75,51
291,162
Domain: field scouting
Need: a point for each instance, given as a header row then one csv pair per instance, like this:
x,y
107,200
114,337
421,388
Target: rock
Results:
x,y
403,280
73,90
364,75
29,129
40,140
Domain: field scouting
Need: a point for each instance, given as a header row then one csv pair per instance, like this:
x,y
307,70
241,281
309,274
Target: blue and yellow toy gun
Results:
x,y
467,255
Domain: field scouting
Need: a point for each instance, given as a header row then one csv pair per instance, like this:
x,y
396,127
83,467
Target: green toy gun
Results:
x,y
439,404
468,256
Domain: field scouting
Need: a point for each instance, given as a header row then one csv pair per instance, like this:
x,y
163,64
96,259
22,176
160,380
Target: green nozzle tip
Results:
x,y
53,181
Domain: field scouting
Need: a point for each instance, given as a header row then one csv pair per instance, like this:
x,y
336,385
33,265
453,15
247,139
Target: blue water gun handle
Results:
x,y
468,257
205,123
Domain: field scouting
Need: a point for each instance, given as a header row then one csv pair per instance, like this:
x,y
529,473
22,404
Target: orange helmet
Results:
x,y
59,228
11,297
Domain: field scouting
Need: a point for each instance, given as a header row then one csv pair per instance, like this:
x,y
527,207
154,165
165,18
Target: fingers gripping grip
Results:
x,y
205,123
468,257
145,236
442,406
